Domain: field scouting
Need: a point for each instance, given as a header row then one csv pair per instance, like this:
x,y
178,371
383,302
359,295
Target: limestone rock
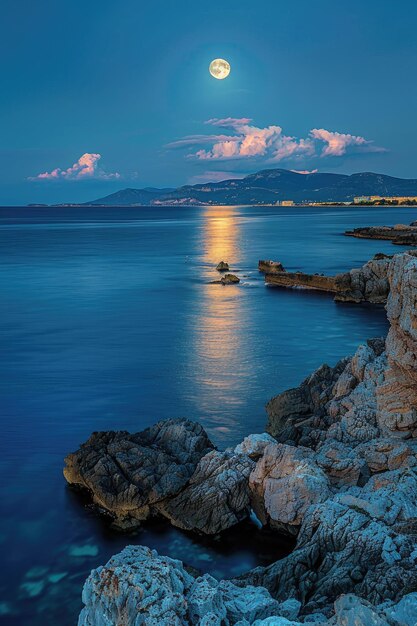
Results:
x,y
216,497
341,549
254,445
136,584
284,483
127,474
367,284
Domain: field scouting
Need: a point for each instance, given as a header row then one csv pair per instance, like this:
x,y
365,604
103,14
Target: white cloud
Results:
x,y
86,167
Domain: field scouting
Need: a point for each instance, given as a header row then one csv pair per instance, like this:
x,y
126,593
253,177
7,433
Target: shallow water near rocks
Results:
x,y
108,322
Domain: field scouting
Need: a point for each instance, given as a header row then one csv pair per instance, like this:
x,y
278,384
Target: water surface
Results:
x,y
108,322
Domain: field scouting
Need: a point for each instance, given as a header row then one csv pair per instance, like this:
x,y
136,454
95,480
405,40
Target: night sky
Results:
x,y
101,95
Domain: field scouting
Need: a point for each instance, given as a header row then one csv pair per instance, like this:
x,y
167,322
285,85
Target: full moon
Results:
x,y
219,68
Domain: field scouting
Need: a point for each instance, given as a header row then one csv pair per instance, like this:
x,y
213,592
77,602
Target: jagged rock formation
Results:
x,y
216,497
366,284
169,469
400,234
359,419
340,472
138,586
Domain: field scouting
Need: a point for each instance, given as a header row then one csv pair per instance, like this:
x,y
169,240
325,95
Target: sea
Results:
x,y
108,321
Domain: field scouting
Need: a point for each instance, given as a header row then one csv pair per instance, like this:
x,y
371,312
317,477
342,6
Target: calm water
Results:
x,y
108,322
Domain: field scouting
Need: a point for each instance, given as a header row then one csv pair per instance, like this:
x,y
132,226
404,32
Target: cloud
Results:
x,y
270,143
86,167
337,143
305,171
229,122
214,176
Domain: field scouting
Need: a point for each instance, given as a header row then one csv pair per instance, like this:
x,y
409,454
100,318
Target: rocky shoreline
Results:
x,y
400,234
368,283
337,469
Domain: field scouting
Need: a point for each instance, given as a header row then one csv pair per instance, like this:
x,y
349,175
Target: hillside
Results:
x,y
269,186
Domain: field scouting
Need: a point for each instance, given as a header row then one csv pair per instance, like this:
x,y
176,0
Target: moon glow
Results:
x,y
219,68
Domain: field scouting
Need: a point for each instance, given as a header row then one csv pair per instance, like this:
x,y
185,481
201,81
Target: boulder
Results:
x,y
229,279
222,266
136,584
254,445
284,483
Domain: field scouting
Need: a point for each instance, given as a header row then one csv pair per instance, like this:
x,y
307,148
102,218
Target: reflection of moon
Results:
x,y
219,68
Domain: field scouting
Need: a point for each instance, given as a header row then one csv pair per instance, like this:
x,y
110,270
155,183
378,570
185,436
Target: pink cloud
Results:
x,y
251,141
270,143
337,144
86,167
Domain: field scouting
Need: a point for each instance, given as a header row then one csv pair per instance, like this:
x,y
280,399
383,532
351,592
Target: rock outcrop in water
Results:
x,y
227,279
366,284
222,266
169,469
340,472
400,234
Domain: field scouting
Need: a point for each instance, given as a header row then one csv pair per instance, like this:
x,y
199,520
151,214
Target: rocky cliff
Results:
x,y
338,469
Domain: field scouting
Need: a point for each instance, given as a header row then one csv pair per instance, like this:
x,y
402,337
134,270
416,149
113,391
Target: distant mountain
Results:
x,y
269,186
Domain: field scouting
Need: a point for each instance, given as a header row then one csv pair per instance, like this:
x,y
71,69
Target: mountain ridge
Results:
x,y
266,187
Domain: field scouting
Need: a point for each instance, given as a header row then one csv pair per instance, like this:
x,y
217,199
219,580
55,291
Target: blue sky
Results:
x,y
314,85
